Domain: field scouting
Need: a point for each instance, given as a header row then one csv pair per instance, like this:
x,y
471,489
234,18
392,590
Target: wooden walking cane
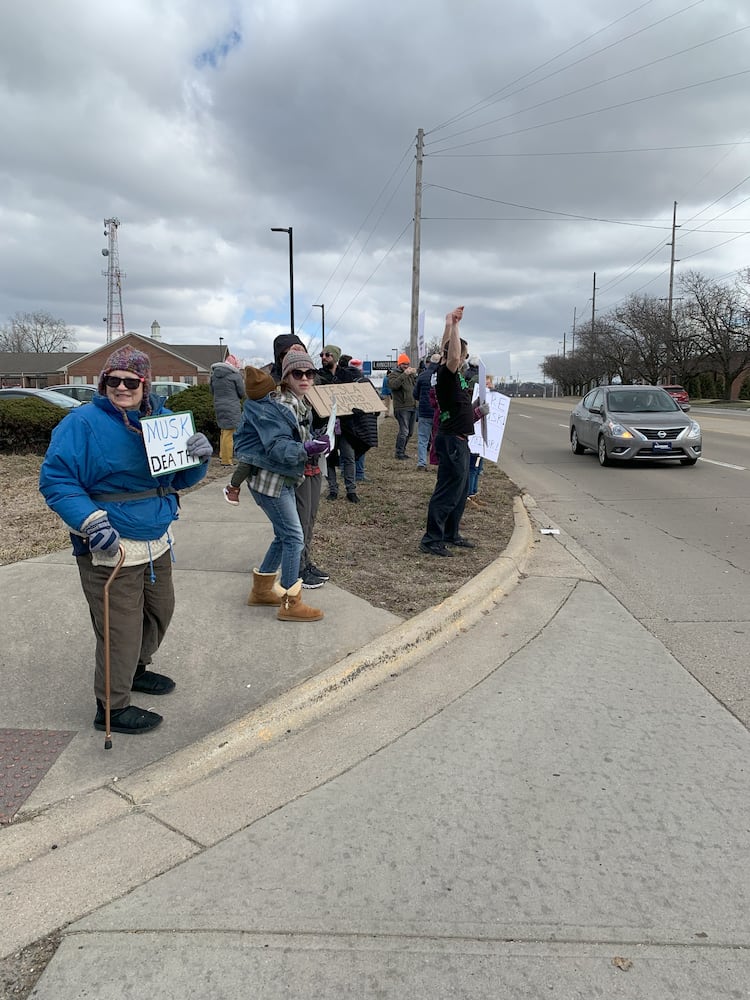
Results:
x,y
107,699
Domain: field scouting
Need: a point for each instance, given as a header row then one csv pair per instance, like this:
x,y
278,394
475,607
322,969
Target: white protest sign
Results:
x,y
165,438
495,421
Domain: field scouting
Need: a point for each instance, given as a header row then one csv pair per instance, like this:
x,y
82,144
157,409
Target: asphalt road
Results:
x,y
672,543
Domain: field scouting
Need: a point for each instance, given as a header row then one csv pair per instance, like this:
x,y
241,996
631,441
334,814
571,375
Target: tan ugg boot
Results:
x,y
266,590
293,610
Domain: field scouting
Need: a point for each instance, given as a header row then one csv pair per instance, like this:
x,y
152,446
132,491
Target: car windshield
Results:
x,y
630,401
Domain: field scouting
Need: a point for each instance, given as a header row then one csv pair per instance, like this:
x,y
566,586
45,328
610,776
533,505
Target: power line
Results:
x,y
598,83
372,274
594,152
474,108
546,211
598,111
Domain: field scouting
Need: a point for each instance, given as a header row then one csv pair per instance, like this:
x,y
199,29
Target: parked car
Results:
x,y
634,422
679,394
56,398
167,389
83,393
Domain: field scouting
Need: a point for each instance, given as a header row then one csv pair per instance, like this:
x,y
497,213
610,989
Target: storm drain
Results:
x,y
25,757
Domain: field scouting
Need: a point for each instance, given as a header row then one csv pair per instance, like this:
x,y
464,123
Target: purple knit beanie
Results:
x,y
128,359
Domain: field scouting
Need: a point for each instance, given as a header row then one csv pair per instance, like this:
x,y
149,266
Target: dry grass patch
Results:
x,y
370,549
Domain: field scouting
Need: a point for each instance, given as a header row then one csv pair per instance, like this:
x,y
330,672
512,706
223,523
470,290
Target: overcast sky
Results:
x,y
557,137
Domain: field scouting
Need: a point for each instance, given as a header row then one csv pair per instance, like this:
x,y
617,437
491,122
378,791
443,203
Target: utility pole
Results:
x,y
413,328
564,336
573,347
593,307
671,291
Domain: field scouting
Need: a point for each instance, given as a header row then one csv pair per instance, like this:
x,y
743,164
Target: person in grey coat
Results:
x,y
228,390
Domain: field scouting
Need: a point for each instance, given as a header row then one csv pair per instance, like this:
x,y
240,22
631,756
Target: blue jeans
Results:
x,y
406,420
475,471
288,541
424,430
359,467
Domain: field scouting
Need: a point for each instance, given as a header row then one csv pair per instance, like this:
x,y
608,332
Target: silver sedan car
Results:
x,y
622,423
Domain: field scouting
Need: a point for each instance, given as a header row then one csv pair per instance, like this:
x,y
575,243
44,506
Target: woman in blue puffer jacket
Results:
x,y
96,477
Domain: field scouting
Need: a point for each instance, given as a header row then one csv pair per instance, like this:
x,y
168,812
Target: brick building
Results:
x,y
189,363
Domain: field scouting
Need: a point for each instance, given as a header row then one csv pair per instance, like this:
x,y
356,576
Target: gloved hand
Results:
x,y
481,410
102,536
198,446
318,446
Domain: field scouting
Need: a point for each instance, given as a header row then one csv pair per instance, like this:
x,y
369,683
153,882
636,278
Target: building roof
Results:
x,y
16,363
202,356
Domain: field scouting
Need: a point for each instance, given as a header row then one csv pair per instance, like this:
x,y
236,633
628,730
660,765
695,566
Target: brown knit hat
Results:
x,y
296,358
128,359
258,383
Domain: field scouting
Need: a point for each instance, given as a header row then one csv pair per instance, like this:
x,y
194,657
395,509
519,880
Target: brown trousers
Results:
x,y
139,613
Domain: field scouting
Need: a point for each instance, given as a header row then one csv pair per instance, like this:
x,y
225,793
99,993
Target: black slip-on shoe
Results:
x,y
434,550
352,498
130,720
153,683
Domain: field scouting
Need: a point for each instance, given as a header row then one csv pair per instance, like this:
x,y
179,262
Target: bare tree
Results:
x,y
35,333
642,324
721,314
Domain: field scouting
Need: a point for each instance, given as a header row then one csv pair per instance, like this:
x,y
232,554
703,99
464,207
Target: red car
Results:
x,y
677,393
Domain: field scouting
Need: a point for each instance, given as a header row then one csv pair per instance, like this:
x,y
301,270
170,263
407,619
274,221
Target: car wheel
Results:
x,y
575,445
688,461
601,451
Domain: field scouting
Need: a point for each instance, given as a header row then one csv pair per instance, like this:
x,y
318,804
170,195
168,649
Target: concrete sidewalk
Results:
x,y
545,803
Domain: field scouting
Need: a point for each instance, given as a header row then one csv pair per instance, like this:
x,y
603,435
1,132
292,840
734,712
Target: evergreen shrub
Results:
x,y
27,424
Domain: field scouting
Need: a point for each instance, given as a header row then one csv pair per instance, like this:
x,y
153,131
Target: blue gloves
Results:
x,y
198,446
318,446
102,536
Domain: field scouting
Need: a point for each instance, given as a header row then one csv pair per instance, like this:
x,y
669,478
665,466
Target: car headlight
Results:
x,y
694,430
617,430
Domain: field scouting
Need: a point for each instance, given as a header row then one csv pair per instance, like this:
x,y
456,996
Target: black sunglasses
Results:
x,y
298,373
113,382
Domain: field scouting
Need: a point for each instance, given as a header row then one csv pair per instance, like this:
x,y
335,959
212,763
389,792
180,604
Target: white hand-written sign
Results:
x,y
495,422
165,437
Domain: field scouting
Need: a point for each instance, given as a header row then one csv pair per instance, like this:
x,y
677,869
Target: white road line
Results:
x,y
525,416
725,465
562,425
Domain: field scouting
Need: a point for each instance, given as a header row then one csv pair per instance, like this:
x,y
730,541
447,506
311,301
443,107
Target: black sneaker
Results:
x,y
317,571
438,549
332,495
130,720
352,498
310,581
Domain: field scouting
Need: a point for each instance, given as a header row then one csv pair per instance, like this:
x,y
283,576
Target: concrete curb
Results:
x,y
395,651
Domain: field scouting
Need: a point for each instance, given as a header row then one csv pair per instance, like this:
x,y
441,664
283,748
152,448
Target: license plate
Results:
x,y
662,445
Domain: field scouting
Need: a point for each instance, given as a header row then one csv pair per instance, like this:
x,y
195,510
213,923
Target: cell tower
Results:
x,y
114,318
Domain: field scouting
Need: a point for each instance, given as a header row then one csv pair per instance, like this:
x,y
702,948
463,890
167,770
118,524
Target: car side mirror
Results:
x,y
685,406
595,409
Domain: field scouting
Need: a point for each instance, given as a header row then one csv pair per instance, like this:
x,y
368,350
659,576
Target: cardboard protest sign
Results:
x,y
350,396
165,437
495,422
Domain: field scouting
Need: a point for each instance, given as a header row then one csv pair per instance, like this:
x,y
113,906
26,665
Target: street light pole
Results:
x,y
279,229
321,306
